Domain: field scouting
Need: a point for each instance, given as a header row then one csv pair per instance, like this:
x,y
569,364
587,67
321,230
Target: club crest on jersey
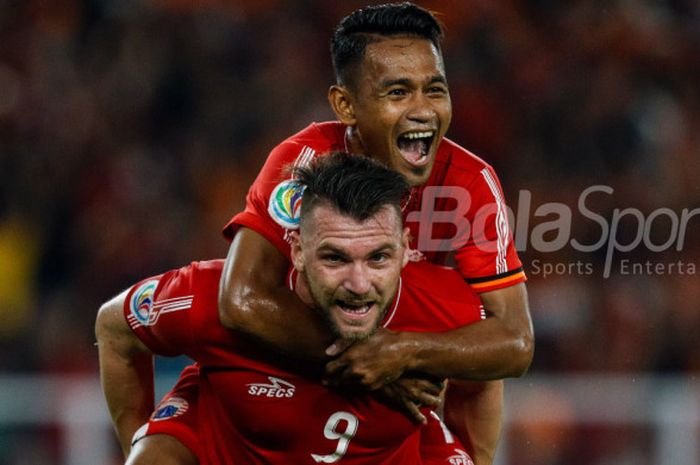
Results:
x,y
142,301
277,388
170,408
285,204
459,458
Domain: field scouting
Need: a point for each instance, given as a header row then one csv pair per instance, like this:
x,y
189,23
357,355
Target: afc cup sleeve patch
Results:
x,y
285,204
141,302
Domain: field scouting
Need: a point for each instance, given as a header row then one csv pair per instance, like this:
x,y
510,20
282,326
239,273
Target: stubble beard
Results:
x,y
324,309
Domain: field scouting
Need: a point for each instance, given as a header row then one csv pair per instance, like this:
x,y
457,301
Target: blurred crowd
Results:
x,y
130,131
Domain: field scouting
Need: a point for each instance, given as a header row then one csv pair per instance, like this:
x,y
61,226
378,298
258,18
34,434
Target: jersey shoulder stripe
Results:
x,y
502,230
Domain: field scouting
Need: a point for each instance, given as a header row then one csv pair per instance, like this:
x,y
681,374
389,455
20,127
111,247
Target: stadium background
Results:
x,y
130,131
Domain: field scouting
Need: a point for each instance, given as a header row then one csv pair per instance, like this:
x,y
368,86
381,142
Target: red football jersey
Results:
x,y
460,209
257,408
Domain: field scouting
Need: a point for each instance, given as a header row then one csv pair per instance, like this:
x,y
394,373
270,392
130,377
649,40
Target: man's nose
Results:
x,y
358,280
422,108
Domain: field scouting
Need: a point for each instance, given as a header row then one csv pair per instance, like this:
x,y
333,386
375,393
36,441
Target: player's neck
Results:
x,y
353,144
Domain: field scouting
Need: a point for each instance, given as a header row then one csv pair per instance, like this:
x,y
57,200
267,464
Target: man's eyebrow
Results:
x,y
330,248
438,78
407,82
384,247
396,82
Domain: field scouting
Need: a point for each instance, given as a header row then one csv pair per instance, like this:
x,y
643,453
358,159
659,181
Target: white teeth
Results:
x,y
359,310
418,135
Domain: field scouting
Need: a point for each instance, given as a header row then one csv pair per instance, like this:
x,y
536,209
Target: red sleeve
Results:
x,y
158,310
488,260
273,201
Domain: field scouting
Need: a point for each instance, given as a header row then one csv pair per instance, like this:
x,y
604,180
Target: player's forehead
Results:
x,y
400,57
326,228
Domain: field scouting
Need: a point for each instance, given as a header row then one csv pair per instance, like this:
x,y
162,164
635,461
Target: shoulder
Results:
x,y
200,277
110,322
302,147
321,137
173,290
435,280
434,298
454,163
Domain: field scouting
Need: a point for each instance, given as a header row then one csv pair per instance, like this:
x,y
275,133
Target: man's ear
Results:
x,y
296,254
341,102
406,241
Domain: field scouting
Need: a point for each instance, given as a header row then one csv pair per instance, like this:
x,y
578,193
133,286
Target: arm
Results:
x,y
473,412
254,300
126,371
500,346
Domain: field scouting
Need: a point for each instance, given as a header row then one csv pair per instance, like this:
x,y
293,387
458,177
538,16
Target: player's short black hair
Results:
x,y
369,24
354,185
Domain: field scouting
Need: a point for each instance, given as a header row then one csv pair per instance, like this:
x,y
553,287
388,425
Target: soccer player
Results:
x,y
392,102
253,406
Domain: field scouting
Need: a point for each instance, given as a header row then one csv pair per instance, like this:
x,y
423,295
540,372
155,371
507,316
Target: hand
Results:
x,y
409,394
372,363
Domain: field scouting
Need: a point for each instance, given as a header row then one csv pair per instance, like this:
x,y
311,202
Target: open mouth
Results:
x,y
415,146
354,310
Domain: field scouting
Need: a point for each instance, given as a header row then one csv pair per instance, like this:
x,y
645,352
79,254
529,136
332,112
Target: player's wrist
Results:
x,y
409,343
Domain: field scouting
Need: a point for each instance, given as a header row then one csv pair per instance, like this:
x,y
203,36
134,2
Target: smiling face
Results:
x,y
348,269
399,106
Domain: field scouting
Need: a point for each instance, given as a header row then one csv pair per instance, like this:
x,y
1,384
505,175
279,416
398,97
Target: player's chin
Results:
x,y
416,175
355,334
